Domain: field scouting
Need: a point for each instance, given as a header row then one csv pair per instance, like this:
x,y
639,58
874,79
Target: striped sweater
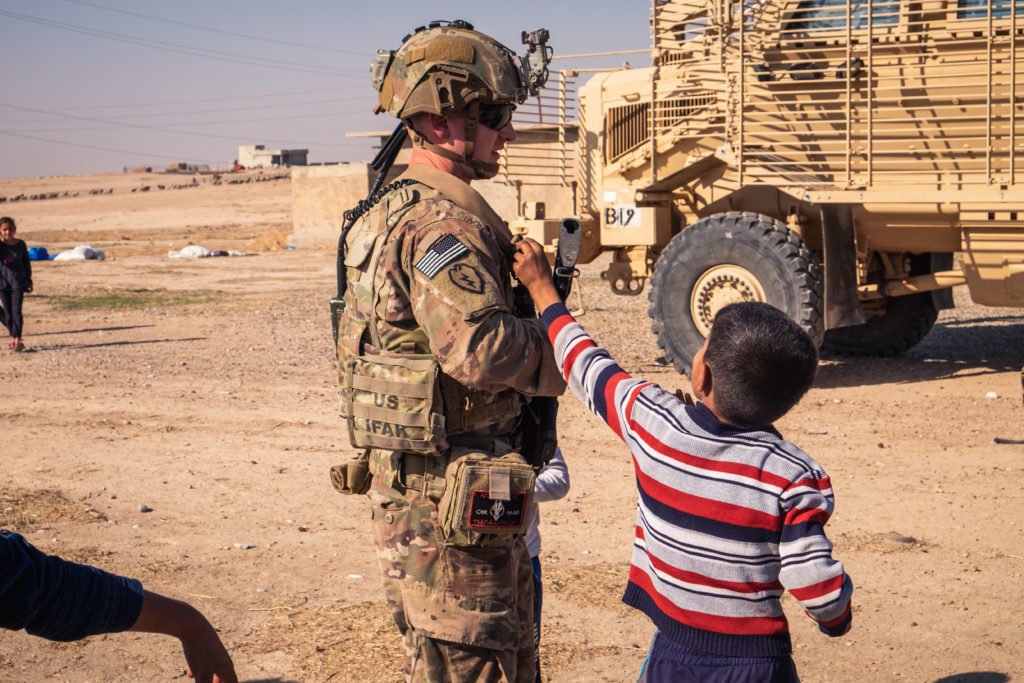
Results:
x,y
727,519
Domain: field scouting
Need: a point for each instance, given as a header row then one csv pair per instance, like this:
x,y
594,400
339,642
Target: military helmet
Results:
x,y
444,67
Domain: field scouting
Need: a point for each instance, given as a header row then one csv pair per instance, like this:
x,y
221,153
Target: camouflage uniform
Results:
x,y
465,611
436,369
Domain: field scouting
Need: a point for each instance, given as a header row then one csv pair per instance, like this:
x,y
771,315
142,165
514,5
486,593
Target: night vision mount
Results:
x,y
535,76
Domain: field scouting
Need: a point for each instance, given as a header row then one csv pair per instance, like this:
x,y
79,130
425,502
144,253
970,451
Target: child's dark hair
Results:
x,y
9,221
761,363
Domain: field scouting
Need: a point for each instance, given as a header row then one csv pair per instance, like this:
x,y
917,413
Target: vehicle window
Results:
x,y
822,15
978,9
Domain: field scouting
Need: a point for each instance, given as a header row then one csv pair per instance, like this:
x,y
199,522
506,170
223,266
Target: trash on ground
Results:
x,y
38,254
197,251
80,253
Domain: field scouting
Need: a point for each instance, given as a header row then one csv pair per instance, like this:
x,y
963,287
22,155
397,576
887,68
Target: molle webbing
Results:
x,y
393,403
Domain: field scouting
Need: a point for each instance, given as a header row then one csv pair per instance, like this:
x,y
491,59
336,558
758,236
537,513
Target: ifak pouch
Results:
x,y
487,498
391,402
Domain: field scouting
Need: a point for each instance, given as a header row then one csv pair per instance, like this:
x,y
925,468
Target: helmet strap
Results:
x,y
482,170
476,169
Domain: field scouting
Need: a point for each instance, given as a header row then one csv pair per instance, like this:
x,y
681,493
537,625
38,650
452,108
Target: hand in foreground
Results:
x,y
208,661
532,269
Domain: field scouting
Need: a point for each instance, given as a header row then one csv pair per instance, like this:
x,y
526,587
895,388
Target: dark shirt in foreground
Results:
x,y
60,600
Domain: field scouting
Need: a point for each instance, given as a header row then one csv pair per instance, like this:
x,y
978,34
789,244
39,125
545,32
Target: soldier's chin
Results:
x,y
484,170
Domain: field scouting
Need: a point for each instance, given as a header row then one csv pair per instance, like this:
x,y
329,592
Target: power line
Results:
x,y
183,49
220,31
159,129
214,111
212,99
108,149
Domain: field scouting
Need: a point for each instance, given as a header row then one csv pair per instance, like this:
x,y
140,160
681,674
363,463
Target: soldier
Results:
x,y
436,368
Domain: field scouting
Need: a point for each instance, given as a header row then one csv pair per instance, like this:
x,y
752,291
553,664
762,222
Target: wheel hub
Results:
x,y
717,288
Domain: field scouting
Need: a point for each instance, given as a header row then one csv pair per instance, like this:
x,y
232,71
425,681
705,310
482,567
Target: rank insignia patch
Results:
x,y
440,254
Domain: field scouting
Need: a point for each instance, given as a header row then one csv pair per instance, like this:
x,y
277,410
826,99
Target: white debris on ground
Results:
x,y
80,253
197,251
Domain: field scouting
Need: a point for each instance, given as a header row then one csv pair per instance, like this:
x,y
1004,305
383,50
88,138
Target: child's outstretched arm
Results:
x,y
592,374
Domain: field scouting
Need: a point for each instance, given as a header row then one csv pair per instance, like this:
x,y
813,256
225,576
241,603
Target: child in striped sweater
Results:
x,y
730,514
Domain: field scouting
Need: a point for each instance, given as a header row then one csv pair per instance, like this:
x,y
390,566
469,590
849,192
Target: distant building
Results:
x,y
258,156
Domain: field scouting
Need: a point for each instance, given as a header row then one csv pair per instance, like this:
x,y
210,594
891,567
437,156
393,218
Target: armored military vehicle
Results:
x,y
848,161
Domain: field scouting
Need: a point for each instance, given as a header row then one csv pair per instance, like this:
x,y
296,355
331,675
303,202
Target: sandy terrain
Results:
x,y
205,390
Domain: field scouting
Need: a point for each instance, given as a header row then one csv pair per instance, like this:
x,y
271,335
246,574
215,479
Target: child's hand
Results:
x,y
532,269
208,661
531,265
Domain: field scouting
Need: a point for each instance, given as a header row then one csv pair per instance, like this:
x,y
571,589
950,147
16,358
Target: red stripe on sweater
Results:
x,y
627,411
570,358
748,471
705,507
794,517
612,418
739,626
816,590
558,325
822,484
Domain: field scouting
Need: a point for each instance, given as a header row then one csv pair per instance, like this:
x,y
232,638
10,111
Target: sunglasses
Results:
x,y
496,116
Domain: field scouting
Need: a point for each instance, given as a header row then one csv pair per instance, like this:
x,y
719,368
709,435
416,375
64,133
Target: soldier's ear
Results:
x,y
434,128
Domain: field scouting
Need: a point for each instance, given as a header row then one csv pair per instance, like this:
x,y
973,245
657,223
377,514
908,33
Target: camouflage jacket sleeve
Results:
x,y
460,291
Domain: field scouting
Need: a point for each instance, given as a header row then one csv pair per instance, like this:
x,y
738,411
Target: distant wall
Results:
x,y
321,194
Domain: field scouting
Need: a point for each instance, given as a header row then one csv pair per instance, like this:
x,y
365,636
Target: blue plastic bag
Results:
x,y
38,254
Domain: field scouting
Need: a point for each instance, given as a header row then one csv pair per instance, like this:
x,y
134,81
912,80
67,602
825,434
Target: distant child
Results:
x,y
15,281
729,514
552,484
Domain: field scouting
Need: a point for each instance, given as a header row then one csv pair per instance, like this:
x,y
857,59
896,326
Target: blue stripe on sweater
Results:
x,y
600,384
768,558
705,525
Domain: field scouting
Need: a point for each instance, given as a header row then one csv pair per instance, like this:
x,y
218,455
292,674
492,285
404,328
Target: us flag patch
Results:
x,y
443,252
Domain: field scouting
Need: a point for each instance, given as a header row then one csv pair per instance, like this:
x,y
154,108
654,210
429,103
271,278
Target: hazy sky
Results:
x,y
96,85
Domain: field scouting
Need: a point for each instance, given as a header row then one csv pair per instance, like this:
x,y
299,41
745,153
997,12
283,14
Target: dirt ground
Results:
x,y
205,391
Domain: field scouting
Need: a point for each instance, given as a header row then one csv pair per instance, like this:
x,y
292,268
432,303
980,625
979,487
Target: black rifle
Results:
x,y
539,419
381,163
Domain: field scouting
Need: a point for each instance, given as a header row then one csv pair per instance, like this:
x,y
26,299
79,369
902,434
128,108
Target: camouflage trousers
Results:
x,y
465,612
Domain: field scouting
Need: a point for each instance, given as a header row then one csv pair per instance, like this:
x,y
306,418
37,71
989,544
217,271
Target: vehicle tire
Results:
x,y
906,321
725,258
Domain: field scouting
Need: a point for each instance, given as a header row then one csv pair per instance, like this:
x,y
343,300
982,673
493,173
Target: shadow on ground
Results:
x,y
960,348
92,329
975,677
69,347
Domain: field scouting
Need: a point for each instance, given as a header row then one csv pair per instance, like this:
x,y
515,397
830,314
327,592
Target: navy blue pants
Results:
x,y
10,316
669,662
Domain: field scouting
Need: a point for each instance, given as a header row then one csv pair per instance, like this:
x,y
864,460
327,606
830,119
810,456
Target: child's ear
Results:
x,y
706,381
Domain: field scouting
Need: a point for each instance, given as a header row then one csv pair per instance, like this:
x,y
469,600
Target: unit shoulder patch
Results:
x,y
466,278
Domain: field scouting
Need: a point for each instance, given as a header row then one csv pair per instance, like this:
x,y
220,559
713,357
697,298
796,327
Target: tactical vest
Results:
x,y
396,397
